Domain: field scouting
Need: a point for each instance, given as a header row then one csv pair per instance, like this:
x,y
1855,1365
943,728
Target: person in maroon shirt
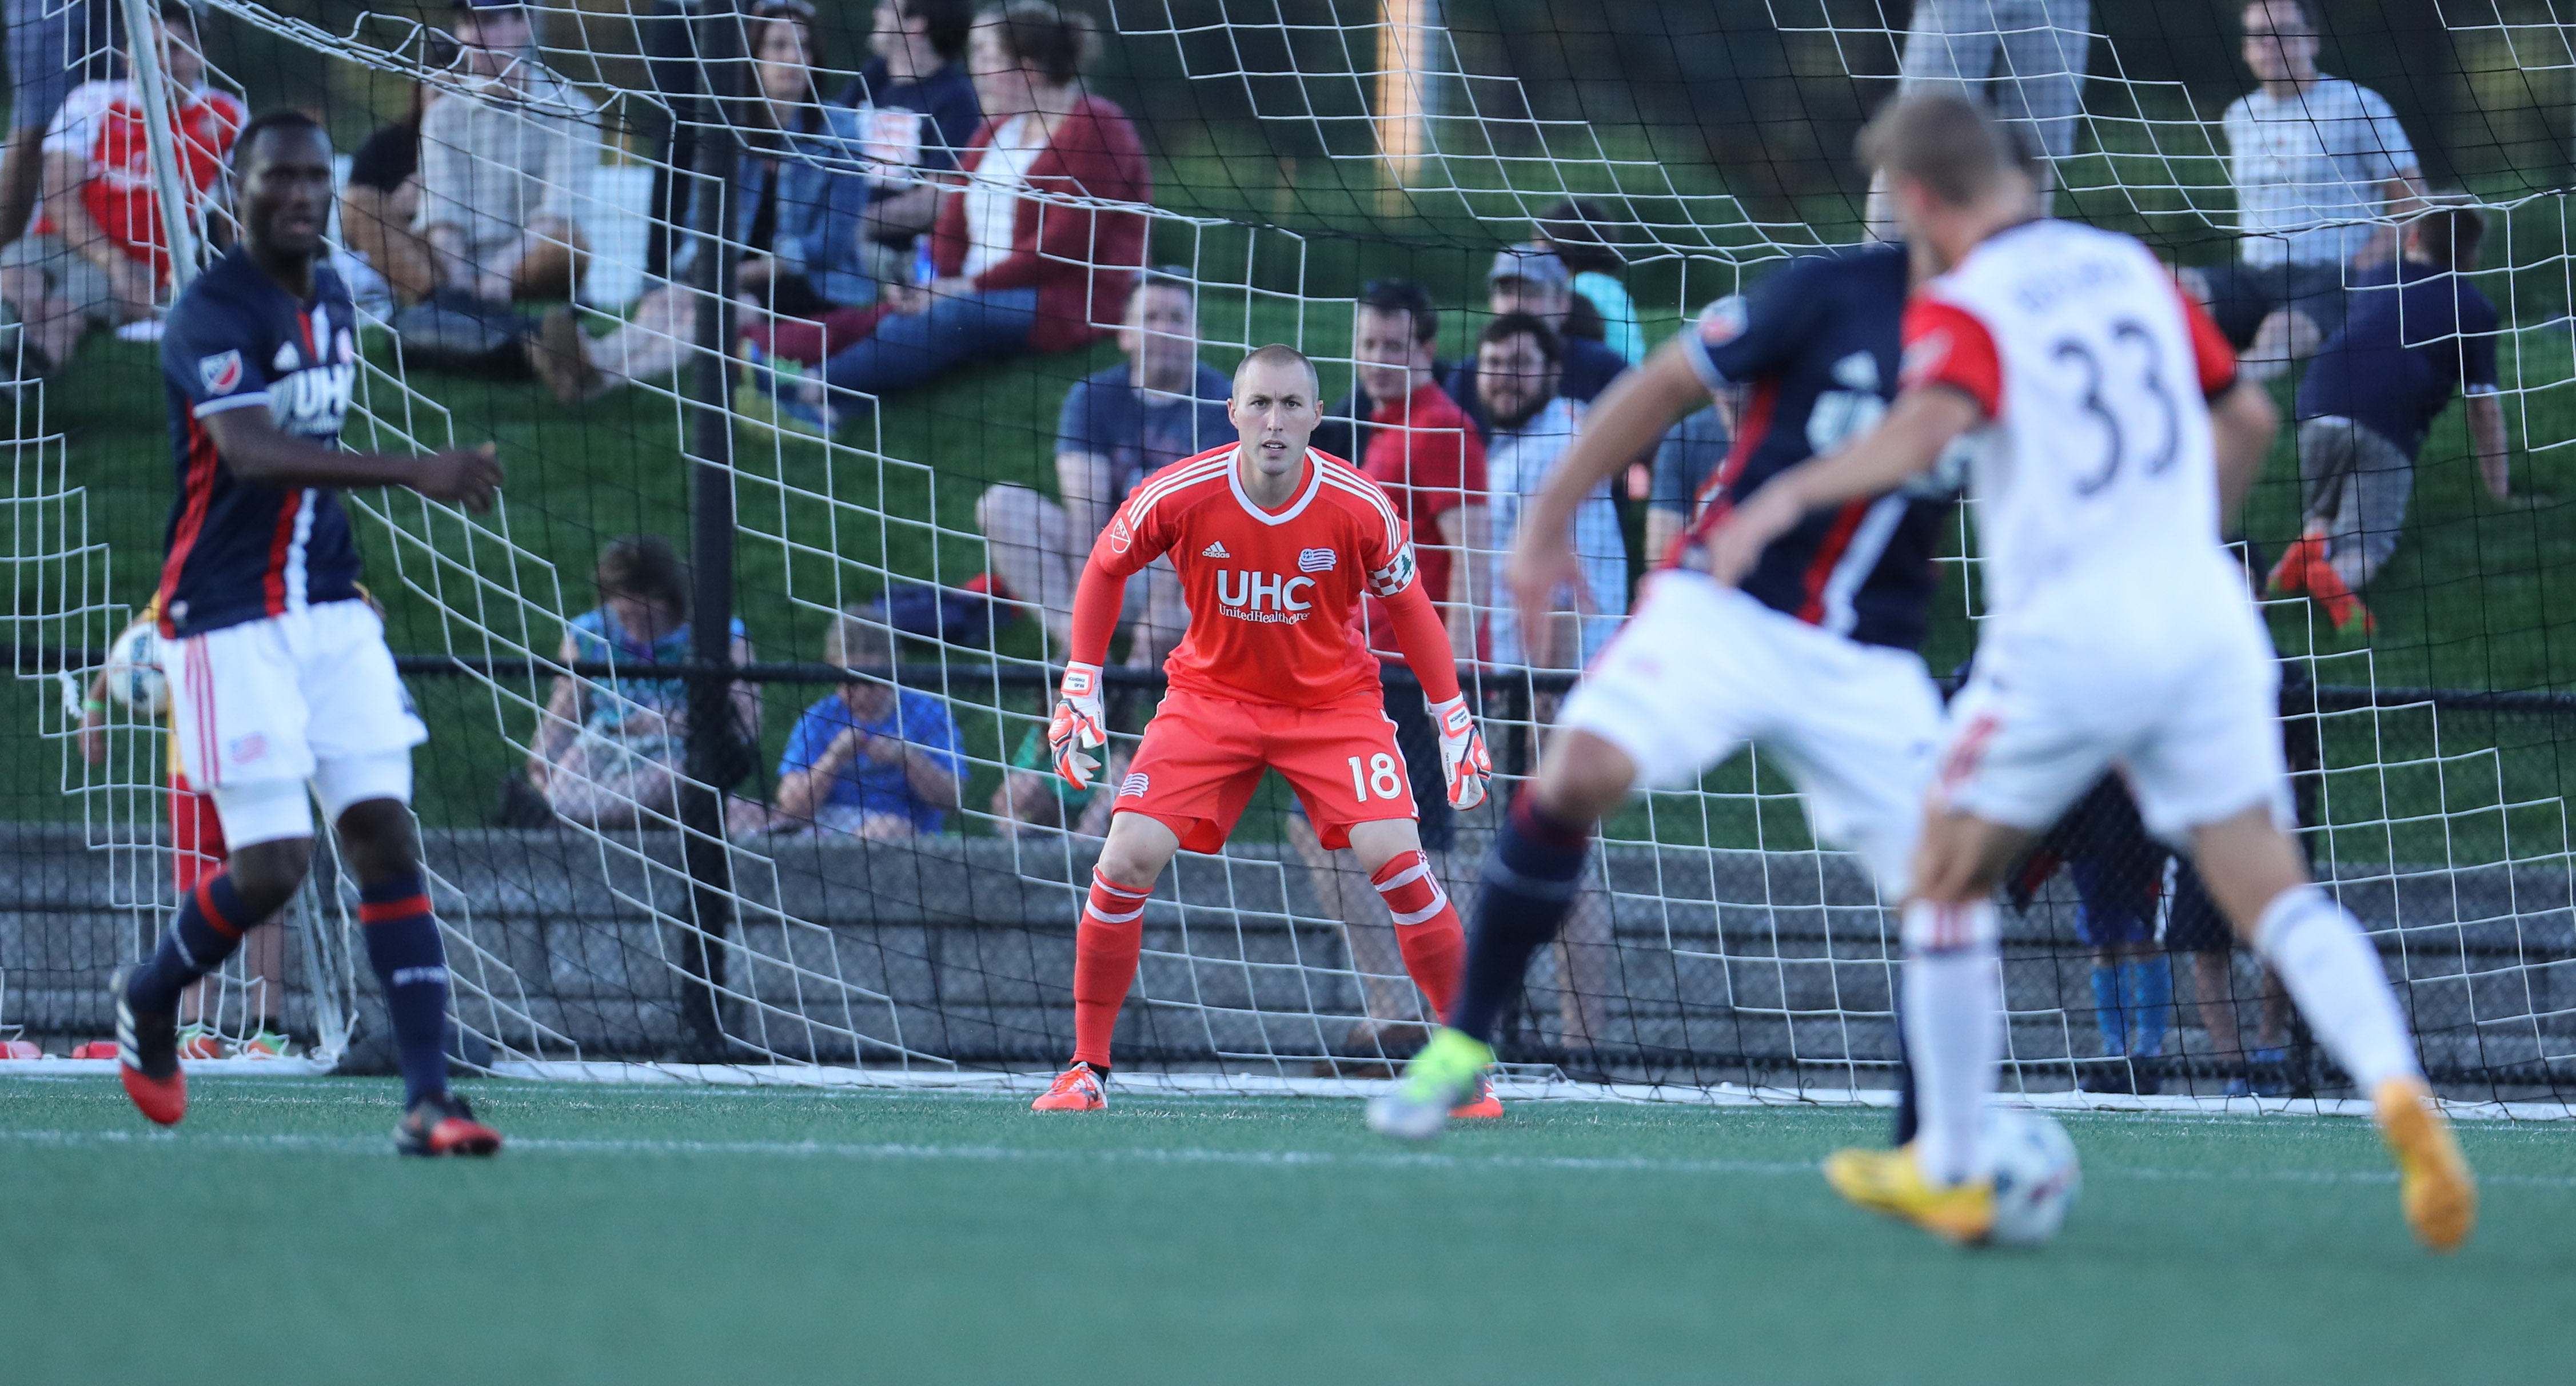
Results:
x,y
1425,453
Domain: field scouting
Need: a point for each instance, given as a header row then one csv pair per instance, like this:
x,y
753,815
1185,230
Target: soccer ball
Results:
x,y
2035,1174
134,679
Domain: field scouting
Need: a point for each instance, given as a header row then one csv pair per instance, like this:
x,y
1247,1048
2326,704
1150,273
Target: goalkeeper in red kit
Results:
x,y
1276,544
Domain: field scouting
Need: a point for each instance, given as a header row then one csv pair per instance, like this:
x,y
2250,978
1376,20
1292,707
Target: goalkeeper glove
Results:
x,y
1464,764
1075,727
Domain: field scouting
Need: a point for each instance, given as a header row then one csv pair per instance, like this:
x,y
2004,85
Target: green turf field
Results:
x,y
706,1235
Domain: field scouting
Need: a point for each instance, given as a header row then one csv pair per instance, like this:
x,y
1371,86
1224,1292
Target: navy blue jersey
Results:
x,y
239,551
2413,335
1815,347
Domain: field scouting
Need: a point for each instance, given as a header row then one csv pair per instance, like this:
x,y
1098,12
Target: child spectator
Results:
x,y
1572,231
98,253
501,166
871,759
608,749
2417,332
1036,251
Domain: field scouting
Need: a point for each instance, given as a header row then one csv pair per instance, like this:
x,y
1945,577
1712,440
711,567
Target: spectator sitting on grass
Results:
x,y
795,219
1526,279
1036,250
1602,311
1117,427
99,254
2314,159
382,200
871,759
917,109
2417,332
607,751
501,164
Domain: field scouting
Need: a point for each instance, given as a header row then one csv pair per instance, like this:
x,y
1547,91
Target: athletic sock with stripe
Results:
x,y
1530,881
411,965
208,929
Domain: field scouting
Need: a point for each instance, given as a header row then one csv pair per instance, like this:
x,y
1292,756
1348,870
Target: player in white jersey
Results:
x,y
2112,437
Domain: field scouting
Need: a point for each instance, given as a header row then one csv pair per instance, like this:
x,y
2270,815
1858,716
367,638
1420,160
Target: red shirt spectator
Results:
x,y
1079,258
1424,452
102,123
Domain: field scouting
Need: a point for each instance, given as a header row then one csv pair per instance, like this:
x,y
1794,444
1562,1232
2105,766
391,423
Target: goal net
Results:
x,y
705,281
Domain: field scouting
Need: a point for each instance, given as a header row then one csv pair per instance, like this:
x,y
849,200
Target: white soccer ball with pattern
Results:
x,y
2036,1176
134,678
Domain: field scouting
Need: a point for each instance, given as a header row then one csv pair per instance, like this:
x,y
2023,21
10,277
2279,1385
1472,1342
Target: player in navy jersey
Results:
x,y
1813,659
282,690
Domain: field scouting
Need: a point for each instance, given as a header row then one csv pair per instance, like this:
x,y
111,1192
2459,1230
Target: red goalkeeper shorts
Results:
x,y
1202,758
196,835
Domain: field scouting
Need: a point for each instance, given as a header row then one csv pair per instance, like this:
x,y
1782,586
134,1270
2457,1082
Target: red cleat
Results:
x,y
1077,1089
444,1124
2290,576
1484,1106
147,1058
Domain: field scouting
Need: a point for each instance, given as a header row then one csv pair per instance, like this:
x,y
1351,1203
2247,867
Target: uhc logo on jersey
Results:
x,y
1316,560
314,401
1270,598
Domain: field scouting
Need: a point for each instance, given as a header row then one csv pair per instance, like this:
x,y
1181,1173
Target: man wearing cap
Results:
x,y
501,163
1526,279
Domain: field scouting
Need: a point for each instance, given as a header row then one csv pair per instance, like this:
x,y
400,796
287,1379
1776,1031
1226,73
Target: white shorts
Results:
x,y
1701,670
2189,715
288,699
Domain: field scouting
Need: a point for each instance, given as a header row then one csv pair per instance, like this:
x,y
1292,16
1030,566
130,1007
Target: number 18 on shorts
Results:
x,y
1202,759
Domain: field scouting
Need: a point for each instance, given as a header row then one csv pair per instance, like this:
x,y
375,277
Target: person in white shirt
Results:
x,y
2319,164
502,165
2118,633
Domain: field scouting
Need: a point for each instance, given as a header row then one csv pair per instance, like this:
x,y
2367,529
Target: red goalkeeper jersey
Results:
x,y
1274,594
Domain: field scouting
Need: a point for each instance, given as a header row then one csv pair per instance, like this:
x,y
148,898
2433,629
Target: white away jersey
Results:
x,y
2095,463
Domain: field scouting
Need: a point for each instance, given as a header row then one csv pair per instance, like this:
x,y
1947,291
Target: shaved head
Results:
x,y
1942,141
1279,354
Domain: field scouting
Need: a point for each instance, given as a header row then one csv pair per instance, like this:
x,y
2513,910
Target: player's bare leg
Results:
x,y
1530,884
2259,880
1951,1012
1106,945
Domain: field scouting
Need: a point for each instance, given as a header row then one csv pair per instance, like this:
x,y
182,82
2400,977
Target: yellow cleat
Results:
x,y
2433,1180
1889,1182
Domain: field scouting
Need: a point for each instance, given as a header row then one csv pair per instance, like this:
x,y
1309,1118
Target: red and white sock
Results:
x,y
1427,931
1105,947
1953,1033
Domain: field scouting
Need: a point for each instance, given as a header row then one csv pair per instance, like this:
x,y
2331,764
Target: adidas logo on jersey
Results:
x,y
1216,550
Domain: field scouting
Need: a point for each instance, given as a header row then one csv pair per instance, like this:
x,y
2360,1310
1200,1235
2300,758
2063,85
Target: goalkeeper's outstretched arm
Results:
x,y
1465,765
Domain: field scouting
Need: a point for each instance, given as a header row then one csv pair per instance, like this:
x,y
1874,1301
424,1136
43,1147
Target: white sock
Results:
x,y
1953,1036
2335,976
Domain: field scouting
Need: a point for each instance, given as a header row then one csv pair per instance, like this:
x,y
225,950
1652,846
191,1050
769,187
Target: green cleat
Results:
x,y
1443,1075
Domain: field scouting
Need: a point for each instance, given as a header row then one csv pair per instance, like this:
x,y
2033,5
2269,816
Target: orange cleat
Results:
x,y
1077,1089
2342,607
2290,576
1484,1106
444,1124
147,1058
2435,1188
